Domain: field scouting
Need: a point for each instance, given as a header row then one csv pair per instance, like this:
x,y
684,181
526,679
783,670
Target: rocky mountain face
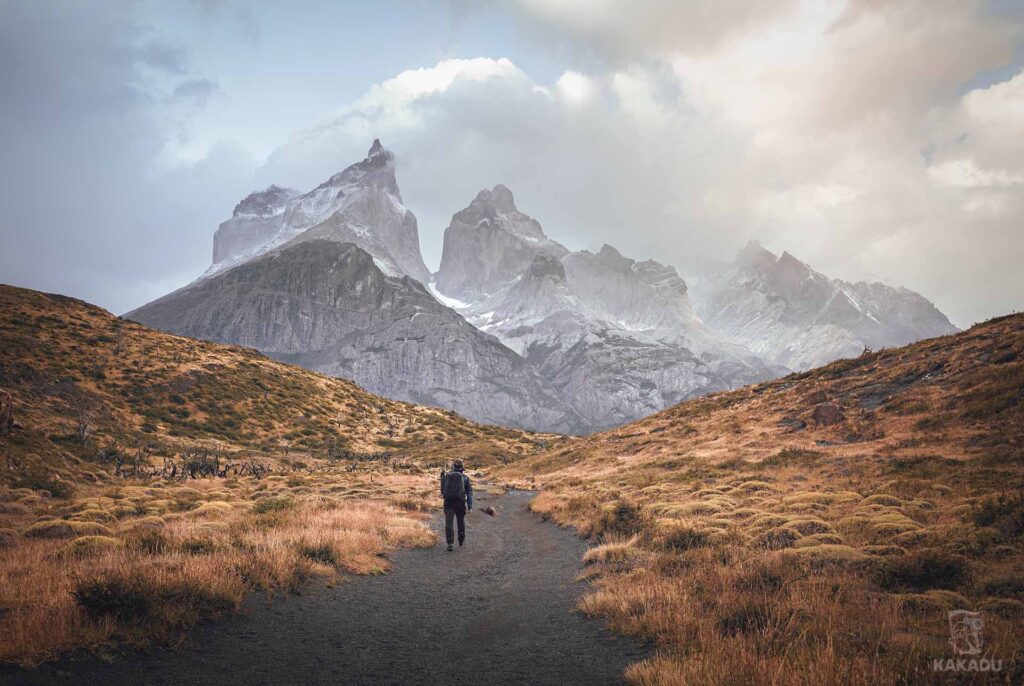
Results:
x,y
540,337
489,244
615,337
329,307
255,222
782,309
360,205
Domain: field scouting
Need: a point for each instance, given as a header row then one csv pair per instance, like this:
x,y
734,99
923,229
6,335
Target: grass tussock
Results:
x,y
798,552
66,583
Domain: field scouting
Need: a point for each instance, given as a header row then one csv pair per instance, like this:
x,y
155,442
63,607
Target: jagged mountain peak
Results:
x,y
753,254
488,244
617,338
376,169
377,149
360,204
499,198
611,258
265,203
783,309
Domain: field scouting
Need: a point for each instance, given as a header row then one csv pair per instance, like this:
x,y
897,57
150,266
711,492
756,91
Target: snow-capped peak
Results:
x,y
360,204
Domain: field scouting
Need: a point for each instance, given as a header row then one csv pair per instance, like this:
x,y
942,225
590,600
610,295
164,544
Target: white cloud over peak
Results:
x,y
844,132
868,137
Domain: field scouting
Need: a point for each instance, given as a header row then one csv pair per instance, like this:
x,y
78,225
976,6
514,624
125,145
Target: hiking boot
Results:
x,y
449,547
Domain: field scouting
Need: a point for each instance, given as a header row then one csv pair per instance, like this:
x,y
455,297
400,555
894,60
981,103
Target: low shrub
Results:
x,y
319,553
56,528
8,538
680,536
751,617
1005,586
274,504
1004,512
776,538
150,541
123,598
922,570
39,480
87,546
621,517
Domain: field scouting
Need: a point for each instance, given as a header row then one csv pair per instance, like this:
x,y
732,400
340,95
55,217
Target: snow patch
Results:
x,y
453,303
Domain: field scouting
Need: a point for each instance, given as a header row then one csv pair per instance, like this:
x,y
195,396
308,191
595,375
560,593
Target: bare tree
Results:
x,y
119,342
84,413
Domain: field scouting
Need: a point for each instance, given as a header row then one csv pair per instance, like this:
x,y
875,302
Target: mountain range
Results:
x,y
782,309
616,337
514,328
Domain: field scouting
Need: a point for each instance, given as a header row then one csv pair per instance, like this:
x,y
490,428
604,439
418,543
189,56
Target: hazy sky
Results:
x,y
871,138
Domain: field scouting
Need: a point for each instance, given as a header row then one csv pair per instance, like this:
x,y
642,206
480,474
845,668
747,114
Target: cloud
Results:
x,y
626,30
843,132
869,137
90,206
195,91
575,87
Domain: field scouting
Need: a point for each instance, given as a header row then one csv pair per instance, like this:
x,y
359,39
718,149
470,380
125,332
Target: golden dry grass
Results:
x,y
151,575
754,546
99,546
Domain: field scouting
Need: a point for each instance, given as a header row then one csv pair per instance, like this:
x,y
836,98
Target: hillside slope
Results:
x,y
64,360
148,480
839,512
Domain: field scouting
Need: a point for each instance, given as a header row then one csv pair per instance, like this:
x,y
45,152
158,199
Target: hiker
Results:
x,y
457,492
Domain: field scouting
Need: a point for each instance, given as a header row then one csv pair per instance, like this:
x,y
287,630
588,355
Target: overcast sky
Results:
x,y
871,138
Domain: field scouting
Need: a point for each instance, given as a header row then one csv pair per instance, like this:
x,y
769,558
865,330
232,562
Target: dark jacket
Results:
x,y
469,489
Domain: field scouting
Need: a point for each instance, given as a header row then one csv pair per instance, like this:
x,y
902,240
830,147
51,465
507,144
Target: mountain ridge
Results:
x,y
781,308
615,336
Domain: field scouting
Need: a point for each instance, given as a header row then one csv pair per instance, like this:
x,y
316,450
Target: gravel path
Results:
x,y
498,611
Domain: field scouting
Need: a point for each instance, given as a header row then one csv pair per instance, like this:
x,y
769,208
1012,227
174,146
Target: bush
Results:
x,y
319,553
8,538
150,541
55,528
199,545
752,617
1004,512
131,597
39,480
1007,586
621,517
776,539
87,546
922,570
274,504
121,598
681,536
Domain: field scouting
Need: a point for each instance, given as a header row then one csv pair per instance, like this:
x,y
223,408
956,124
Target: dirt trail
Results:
x,y
498,611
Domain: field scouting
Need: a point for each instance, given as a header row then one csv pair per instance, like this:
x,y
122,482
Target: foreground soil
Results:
x,y
500,610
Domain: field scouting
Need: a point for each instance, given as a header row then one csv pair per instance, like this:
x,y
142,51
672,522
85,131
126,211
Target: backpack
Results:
x,y
454,486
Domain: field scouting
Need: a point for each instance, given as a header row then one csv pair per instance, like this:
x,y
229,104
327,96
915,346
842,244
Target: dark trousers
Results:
x,y
454,509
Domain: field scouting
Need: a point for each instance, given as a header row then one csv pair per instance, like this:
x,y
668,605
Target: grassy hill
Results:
x,y
148,480
816,528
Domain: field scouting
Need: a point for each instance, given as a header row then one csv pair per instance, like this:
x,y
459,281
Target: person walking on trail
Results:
x,y
457,491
